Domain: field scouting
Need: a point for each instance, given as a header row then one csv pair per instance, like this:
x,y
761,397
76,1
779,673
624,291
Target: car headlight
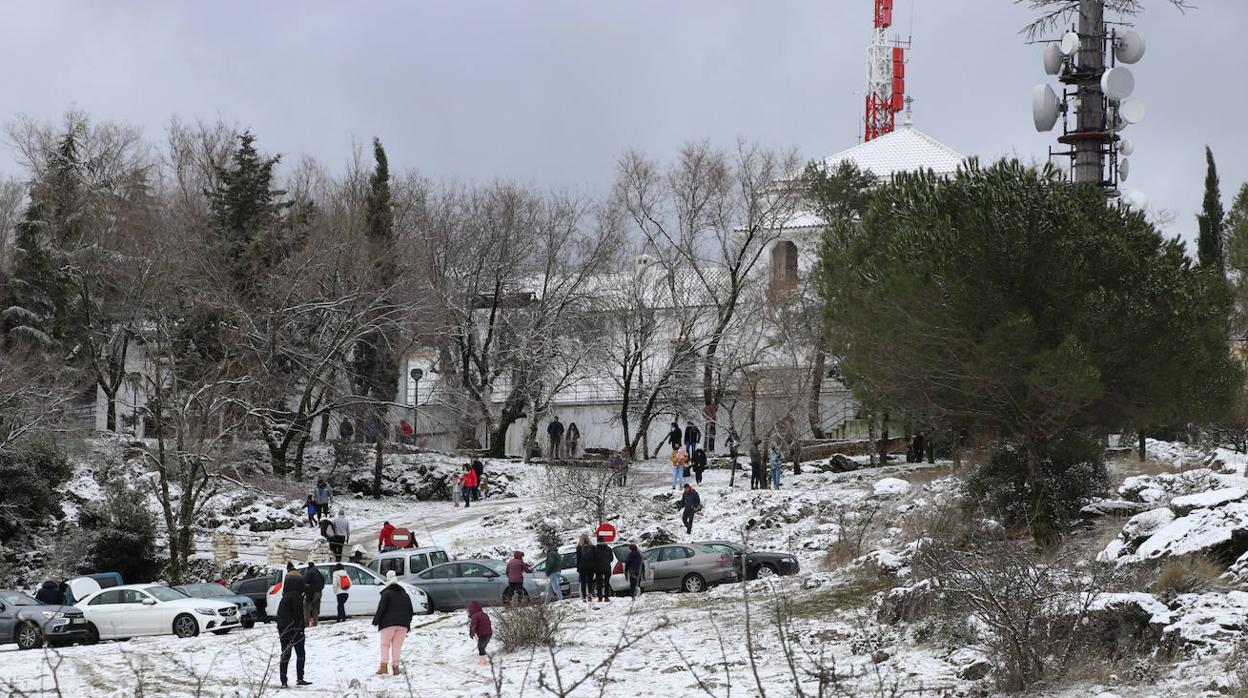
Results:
x,y
206,611
52,614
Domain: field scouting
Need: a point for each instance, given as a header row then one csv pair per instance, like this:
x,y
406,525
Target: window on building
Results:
x,y
783,266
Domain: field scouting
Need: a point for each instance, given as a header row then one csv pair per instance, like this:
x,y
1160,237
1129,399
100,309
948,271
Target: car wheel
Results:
x,y
765,571
222,632
29,636
693,583
185,626
93,635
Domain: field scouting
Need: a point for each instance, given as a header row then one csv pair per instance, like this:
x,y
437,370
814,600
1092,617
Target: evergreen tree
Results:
x,y
376,363
247,215
1237,256
1209,250
37,291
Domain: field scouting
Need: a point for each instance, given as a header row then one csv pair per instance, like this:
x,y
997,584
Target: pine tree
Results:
x,y
247,215
1209,244
37,291
1236,232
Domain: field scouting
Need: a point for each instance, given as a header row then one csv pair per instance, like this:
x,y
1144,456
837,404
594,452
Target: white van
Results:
x,y
407,562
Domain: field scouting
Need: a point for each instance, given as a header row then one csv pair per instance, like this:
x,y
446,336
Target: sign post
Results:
x,y
606,533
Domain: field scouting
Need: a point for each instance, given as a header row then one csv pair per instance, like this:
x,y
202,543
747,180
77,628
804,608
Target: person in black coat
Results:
x,y
690,504
693,437
314,586
674,436
554,430
50,594
585,567
291,620
699,464
393,619
479,468
604,558
634,568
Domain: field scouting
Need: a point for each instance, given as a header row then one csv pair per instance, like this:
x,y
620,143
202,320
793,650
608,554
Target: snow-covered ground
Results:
x,y
690,644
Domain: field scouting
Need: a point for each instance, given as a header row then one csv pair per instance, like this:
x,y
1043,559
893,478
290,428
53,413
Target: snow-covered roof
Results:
x,y
905,150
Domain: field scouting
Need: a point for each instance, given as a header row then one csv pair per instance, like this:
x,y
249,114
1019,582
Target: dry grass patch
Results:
x,y
1188,575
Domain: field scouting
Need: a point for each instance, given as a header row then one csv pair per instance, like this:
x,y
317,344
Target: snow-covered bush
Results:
x,y
122,535
32,474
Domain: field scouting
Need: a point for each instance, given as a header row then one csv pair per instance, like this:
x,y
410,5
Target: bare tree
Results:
x,y
1054,12
710,217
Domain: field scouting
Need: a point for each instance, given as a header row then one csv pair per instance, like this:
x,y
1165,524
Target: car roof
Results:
x,y
410,551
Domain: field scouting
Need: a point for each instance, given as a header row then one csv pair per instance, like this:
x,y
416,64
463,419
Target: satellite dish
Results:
x,y
1052,59
1132,111
1117,83
1070,43
1126,147
1129,47
1044,107
1124,169
1135,199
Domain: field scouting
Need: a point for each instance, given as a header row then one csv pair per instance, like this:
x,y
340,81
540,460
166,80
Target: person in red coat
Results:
x,y
479,626
516,568
469,484
385,539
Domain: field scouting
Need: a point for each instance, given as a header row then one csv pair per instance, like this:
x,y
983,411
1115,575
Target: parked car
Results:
x,y
688,567
619,582
78,587
151,609
363,594
256,589
758,563
452,585
247,612
28,623
407,562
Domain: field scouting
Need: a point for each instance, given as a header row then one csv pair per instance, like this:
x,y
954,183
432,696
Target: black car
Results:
x,y
758,563
28,623
256,589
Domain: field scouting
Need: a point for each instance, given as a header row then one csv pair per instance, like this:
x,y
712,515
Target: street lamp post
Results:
x,y
416,375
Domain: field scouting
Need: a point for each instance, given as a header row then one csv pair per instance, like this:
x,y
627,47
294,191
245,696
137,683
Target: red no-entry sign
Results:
x,y
606,533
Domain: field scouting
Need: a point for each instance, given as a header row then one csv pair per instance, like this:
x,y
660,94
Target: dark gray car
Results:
x,y
247,611
30,624
453,584
689,567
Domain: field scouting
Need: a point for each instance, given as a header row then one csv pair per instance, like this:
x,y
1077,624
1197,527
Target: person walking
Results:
x,y
619,465
341,583
291,619
585,567
323,495
457,485
554,571
312,509
676,468
674,435
554,430
634,569
682,464
330,533
314,585
604,558
699,464
690,503
919,447
479,626
342,528
346,430
479,468
776,459
516,569
693,437
385,539
393,619
405,428
469,484
571,439
756,465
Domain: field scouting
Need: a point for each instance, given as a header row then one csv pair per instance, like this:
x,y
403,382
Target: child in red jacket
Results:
x,y
479,627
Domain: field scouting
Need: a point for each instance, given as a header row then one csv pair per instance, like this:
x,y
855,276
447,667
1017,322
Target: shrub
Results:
x,y
528,626
1188,575
1041,492
32,474
122,535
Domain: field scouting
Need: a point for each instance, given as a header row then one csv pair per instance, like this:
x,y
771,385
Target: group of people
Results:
x,y
317,505
594,563
758,471
299,609
466,485
563,442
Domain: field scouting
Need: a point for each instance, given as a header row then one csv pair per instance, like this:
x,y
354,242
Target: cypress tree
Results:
x,y
1209,244
246,213
376,364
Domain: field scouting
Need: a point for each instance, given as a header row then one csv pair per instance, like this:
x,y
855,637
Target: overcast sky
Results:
x,y
551,92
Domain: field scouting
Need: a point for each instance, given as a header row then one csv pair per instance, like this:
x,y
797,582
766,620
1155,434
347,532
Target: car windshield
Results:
x,y
205,591
165,593
17,598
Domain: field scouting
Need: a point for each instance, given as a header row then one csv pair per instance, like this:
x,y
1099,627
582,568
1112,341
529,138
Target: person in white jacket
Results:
x,y
341,584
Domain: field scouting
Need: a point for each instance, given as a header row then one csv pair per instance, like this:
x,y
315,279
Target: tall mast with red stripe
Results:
x,y
886,76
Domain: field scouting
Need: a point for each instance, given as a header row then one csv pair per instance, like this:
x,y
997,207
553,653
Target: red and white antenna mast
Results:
x,y
886,76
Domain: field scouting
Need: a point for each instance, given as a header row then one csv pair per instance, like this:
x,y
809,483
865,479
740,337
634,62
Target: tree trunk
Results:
x,y
816,387
110,421
884,440
1142,448
871,438
324,435
797,457
378,464
277,460
303,441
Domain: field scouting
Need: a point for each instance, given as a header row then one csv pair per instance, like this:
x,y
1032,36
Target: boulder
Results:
x,y
891,487
1208,619
1220,533
972,664
1126,623
1112,507
1206,500
841,463
907,603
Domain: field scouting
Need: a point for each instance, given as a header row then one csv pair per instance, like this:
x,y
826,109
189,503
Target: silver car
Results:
x,y
453,584
689,567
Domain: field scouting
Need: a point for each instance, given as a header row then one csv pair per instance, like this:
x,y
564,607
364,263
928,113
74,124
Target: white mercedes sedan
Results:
x,y
151,609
